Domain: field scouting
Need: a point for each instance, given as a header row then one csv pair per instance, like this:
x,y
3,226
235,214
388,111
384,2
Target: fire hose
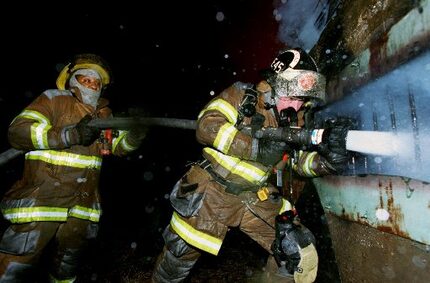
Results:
x,y
294,136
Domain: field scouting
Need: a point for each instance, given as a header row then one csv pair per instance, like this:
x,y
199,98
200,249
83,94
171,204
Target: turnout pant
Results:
x,y
22,246
203,213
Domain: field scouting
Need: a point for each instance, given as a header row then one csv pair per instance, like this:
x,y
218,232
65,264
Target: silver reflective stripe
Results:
x,y
39,135
34,115
224,107
239,167
195,237
30,214
65,158
52,279
85,213
307,164
122,140
225,137
45,213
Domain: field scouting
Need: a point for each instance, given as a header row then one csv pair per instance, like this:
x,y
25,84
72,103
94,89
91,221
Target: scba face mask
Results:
x,y
89,96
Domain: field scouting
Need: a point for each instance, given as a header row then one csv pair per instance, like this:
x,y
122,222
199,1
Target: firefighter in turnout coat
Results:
x,y
57,200
231,186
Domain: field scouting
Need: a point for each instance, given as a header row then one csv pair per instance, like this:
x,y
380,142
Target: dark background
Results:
x,y
167,58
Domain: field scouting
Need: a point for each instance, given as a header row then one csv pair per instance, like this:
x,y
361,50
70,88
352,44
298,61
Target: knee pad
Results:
x,y
175,244
16,272
66,264
19,242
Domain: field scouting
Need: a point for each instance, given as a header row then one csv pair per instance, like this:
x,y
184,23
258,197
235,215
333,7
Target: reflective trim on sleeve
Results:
x,y
39,135
63,158
225,137
286,205
239,167
52,279
122,140
194,237
33,115
224,107
307,164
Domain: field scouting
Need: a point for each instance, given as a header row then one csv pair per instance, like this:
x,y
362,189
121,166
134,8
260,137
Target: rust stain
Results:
x,y
396,216
378,54
381,200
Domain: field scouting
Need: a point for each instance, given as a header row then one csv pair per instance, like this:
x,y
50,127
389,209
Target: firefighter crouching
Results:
x,y
231,186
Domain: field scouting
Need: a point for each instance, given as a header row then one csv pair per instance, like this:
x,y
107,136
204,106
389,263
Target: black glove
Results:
x,y
136,135
333,145
83,134
336,162
270,152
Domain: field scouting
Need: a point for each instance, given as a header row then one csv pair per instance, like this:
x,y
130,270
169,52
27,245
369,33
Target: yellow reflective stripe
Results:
x,y
239,167
286,205
225,137
29,214
116,140
85,213
46,213
52,279
194,237
33,115
307,164
224,107
39,135
126,145
65,158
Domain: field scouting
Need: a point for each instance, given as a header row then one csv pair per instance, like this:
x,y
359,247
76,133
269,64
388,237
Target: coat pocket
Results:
x,y
19,242
187,196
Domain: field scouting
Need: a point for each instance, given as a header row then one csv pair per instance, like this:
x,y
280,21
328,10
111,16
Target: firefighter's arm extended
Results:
x,y
34,128
318,151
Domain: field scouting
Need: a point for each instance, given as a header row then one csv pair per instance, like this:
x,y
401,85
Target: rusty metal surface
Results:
x,y
388,204
365,254
354,27
401,41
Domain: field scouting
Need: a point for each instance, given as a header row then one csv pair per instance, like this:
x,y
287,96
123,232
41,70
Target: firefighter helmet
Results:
x,y
294,73
85,61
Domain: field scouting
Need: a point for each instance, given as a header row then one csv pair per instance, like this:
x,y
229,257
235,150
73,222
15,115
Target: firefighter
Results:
x,y
57,201
232,185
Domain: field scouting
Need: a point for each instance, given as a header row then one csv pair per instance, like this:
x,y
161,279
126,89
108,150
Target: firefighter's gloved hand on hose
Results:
x,y
136,134
82,133
294,249
269,152
333,145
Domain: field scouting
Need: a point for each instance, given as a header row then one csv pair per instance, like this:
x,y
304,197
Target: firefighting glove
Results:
x,y
82,133
136,134
269,152
333,145
294,248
